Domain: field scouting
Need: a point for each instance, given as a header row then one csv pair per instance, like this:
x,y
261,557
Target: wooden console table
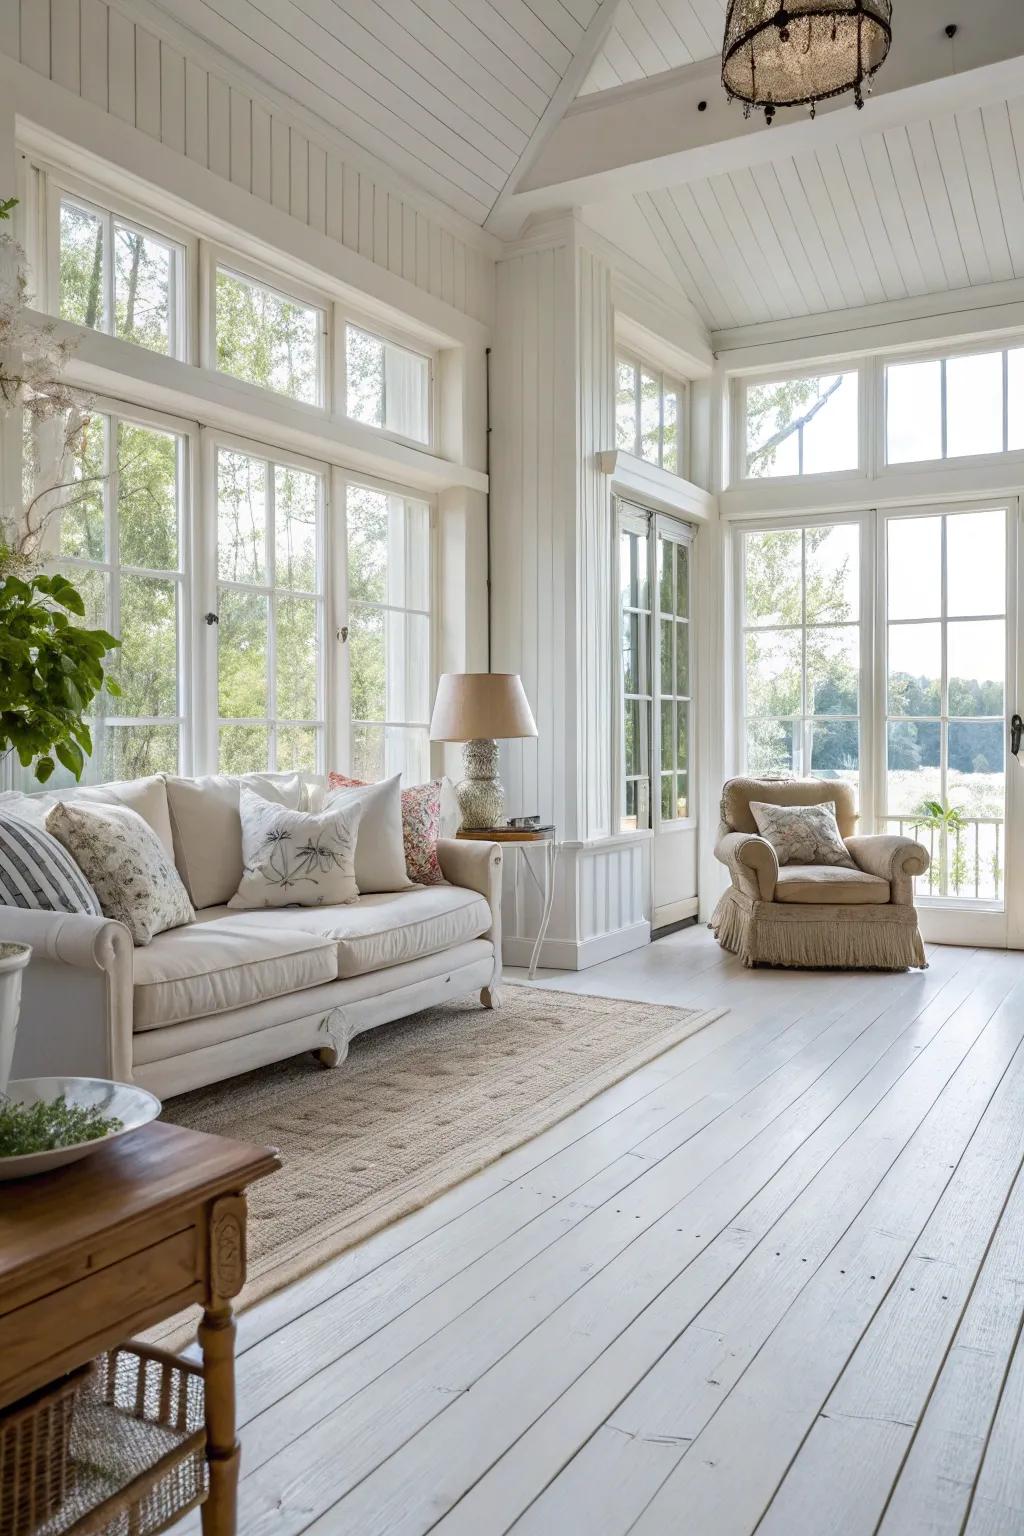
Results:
x,y
95,1253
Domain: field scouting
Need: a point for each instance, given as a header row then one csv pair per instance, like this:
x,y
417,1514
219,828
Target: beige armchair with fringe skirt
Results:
x,y
815,915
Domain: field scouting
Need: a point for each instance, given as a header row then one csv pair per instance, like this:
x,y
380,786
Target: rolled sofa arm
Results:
x,y
752,862
476,866
76,995
896,859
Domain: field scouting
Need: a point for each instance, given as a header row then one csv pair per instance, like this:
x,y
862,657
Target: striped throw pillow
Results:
x,y
37,873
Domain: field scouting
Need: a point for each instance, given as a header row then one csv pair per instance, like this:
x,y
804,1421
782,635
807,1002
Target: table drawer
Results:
x,y
109,1299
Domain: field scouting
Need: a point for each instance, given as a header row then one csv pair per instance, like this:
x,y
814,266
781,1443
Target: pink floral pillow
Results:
x,y
421,826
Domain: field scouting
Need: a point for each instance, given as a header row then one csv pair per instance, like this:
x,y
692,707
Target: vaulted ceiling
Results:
x,y
648,37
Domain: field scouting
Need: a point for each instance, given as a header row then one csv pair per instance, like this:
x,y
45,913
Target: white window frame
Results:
x,y
53,186
344,316
976,348
188,434
740,384
345,724
208,582
669,384
213,257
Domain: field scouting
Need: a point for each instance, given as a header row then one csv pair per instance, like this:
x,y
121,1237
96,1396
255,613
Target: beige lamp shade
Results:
x,y
474,705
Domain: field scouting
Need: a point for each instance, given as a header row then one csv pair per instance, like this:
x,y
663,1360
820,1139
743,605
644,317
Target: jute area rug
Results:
x,y
418,1106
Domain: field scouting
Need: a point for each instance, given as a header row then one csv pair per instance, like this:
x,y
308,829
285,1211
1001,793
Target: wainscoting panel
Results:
x,y
601,909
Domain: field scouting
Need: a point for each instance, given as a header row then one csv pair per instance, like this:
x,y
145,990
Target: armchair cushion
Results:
x,y
826,885
802,834
738,793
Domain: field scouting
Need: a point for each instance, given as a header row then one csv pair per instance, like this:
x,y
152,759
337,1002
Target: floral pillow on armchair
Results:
x,y
421,826
802,834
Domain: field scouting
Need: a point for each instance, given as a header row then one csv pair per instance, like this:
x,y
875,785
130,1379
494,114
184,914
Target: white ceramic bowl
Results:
x,y
121,1101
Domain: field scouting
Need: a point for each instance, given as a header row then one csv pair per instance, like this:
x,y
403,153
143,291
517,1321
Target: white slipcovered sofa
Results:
x,y
240,989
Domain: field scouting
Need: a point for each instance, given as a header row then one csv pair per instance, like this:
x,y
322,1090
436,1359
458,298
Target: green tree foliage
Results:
x,y
777,410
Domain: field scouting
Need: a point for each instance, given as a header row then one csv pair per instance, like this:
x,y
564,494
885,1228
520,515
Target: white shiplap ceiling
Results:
x,y
448,92
922,209
649,36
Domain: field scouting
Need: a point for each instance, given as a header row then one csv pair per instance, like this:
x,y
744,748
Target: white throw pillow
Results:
x,y
380,850
294,858
208,831
126,864
802,834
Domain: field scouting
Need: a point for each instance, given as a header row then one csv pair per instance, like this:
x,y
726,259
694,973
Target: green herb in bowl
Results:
x,y
28,1128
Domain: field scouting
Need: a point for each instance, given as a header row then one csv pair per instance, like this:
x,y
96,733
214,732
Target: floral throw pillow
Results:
x,y
802,834
295,859
421,826
126,864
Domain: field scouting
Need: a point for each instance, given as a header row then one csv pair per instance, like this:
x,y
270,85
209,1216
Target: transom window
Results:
x,y
648,414
269,338
801,651
800,426
119,537
954,407
270,610
386,385
116,276
389,575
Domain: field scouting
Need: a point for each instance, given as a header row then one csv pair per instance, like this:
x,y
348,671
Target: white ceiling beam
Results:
x,y
652,134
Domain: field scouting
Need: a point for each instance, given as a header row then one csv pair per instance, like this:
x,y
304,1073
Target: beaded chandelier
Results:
x,y
789,53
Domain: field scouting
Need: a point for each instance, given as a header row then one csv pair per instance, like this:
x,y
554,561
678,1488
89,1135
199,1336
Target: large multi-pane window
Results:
x,y
269,338
270,613
386,385
120,536
649,414
801,650
117,276
945,694
954,407
800,426
389,576
655,674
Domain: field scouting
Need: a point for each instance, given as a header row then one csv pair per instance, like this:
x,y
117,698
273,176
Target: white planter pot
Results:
x,y
13,960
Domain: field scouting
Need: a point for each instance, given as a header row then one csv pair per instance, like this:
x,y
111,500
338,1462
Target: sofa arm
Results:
x,y
896,859
76,1007
752,862
477,867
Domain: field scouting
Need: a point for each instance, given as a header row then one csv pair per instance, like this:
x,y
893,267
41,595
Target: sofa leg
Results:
x,y
327,1056
490,997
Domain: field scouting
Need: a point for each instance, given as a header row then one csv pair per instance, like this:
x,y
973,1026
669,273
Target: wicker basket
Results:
x,y
35,1454
135,1462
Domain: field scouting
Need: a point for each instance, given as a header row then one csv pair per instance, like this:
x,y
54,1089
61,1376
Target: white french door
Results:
x,y
947,649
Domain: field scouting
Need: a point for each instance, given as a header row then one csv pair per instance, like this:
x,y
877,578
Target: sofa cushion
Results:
x,y
207,828
829,885
385,929
215,965
147,797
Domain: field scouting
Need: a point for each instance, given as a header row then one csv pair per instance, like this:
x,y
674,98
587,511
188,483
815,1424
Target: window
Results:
x,y
270,607
655,699
268,338
648,414
954,407
801,651
116,276
801,426
389,575
119,538
386,386
945,696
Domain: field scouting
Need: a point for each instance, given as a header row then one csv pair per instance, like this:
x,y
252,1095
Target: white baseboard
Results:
x,y
577,955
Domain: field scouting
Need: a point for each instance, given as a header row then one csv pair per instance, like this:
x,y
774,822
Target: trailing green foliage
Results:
x,y
28,1128
50,671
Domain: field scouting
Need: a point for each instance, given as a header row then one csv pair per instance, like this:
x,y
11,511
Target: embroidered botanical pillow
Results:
x,y
126,864
802,834
294,858
421,826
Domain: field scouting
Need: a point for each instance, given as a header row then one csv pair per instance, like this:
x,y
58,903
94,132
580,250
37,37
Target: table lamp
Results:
x,y
479,708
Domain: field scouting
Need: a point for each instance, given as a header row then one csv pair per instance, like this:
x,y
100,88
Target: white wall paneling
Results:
x,y
650,36
601,907
165,88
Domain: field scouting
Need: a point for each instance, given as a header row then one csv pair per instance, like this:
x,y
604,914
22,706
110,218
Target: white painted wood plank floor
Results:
x,y
773,1281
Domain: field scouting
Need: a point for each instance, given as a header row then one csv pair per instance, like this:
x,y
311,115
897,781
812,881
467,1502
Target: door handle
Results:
x,y
1016,731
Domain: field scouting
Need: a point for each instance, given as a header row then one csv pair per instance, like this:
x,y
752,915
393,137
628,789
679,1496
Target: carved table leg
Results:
x,y
226,1275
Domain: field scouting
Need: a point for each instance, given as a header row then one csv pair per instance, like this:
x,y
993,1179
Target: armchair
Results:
x,y
815,914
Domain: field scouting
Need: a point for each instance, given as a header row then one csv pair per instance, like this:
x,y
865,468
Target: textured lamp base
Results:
x,y
481,793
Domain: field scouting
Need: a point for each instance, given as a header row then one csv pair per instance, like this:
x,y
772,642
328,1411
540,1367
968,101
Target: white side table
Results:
x,y
543,879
